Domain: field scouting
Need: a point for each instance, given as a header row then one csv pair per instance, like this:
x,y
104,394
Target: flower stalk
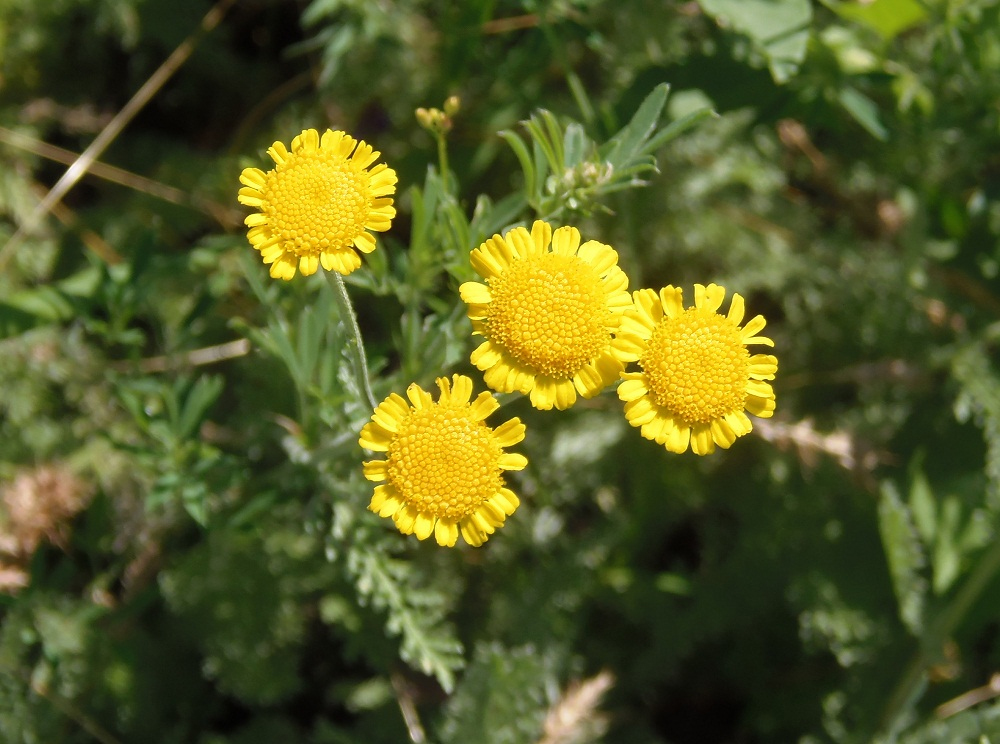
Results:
x,y
356,344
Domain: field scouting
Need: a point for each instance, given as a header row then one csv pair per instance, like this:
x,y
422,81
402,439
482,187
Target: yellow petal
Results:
x,y
330,139
701,439
763,366
255,178
249,197
521,243
602,257
506,500
284,267
753,326
270,253
671,300
640,412
543,393
739,423
423,526
616,284
485,356
636,324
760,407
489,516
678,437
446,533
509,433
475,293
308,264
483,406
565,393
520,380
588,381
722,433
657,429
390,506
364,155
512,461
444,385
736,309
386,418
483,522
759,389
461,389
709,298
379,497
375,470
649,304
364,242
278,152
496,378
565,241
633,388
541,236
395,405
628,347
405,519
471,533
419,397
375,438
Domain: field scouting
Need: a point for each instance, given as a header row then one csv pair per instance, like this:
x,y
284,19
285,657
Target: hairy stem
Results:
x,y
355,346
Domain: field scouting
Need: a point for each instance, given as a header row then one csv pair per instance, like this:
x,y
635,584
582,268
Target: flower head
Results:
x,y
548,314
698,377
443,468
317,203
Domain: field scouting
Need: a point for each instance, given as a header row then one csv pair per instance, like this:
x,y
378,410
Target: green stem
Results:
x,y
443,159
942,629
356,345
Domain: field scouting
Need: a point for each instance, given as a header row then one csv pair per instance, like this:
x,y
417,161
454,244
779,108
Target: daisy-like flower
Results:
x,y
698,377
548,314
443,469
317,203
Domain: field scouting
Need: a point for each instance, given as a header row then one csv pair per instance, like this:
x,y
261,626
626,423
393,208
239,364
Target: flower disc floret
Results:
x,y
318,203
697,376
548,311
443,472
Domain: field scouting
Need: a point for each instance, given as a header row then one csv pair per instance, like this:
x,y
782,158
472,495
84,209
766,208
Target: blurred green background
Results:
x,y
185,551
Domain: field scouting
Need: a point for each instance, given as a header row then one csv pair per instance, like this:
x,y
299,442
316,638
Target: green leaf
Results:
x,y
676,128
527,166
947,554
888,18
543,126
196,404
865,112
905,556
923,507
627,143
501,699
779,28
416,614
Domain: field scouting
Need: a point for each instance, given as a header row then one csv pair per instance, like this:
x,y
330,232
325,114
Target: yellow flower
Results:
x,y
697,375
443,468
547,314
317,203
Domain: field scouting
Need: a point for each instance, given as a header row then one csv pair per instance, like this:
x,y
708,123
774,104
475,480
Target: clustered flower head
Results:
x,y
318,203
443,471
557,322
548,311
